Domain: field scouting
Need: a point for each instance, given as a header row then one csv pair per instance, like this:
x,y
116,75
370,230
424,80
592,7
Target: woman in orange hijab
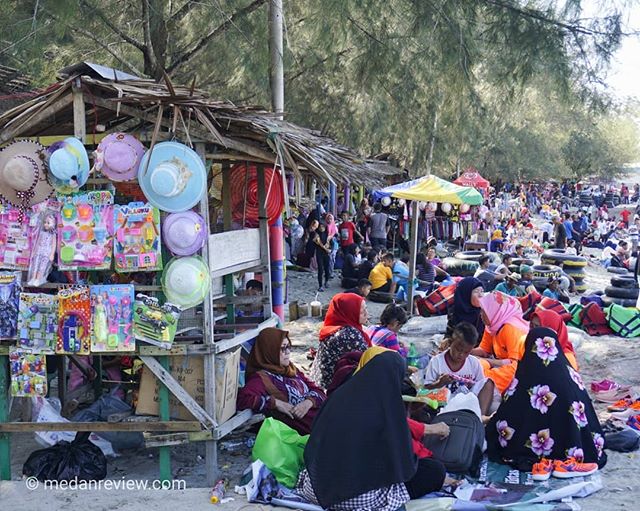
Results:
x,y
276,387
341,333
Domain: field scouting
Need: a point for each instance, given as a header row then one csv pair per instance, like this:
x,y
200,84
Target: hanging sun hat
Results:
x,y
184,233
172,177
186,281
118,156
68,163
23,177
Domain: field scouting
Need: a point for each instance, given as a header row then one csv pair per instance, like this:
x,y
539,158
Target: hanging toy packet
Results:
x,y
16,237
74,321
38,322
112,318
155,323
137,238
44,248
9,300
28,373
85,231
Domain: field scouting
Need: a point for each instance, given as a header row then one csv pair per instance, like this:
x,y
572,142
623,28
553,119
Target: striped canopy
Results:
x,y
432,189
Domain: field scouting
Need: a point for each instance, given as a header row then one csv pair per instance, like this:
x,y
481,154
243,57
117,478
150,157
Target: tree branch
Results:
x,y
213,33
146,30
179,15
112,26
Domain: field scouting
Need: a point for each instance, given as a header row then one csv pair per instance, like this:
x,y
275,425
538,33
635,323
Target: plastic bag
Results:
x,y
280,448
78,460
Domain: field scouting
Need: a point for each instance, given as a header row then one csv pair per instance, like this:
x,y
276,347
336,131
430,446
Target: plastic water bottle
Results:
x,y
217,493
412,355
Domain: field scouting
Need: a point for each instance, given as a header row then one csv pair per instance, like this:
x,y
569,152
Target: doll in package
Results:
x,y
112,318
44,249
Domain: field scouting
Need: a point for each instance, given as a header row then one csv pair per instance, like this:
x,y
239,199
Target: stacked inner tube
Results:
x,y
622,291
541,274
572,265
519,261
465,264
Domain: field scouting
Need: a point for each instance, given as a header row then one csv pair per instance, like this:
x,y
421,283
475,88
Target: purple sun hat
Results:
x,y
118,156
184,233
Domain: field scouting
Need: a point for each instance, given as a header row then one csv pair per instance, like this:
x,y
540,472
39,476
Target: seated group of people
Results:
x,y
363,452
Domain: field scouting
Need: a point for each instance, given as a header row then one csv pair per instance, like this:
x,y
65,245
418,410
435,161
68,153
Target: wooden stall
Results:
x,y
90,102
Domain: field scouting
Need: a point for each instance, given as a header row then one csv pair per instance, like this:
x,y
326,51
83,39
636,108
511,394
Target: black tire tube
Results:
x,y
625,282
471,255
546,270
561,256
574,264
621,292
624,302
618,271
519,261
459,267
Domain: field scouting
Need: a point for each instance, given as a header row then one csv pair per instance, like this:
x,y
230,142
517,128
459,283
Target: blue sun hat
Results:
x,y
68,164
172,176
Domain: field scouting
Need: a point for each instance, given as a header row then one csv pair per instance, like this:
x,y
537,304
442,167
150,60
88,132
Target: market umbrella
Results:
x,y
471,177
432,189
427,189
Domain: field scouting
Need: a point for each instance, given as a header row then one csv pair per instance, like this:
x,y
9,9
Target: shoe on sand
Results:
x,y
573,468
541,471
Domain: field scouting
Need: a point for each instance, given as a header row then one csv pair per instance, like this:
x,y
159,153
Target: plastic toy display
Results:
x,y
74,321
16,237
155,323
44,248
9,300
28,373
137,238
37,322
112,318
85,231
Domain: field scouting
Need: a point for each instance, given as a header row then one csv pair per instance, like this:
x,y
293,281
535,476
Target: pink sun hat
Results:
x,y
184,233
118,156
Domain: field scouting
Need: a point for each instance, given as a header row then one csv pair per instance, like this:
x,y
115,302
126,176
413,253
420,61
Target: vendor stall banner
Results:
x,y
112,318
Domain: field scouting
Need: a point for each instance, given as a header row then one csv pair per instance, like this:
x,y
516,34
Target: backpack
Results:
x,y
528,303
461,451
554,305
594,321
624,321
437,302
592,299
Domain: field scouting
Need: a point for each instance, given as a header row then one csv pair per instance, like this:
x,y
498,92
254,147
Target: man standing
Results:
x,y
559,233
347,231
378,227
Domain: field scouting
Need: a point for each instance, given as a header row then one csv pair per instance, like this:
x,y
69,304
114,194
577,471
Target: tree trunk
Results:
x,y
432,143
276,48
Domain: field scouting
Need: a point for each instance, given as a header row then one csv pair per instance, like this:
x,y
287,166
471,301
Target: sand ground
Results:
x,y
599,357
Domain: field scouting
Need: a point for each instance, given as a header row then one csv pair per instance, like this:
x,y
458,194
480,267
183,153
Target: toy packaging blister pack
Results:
x,y
137,238
9,300
155,323
44,247
112,318
74,321
16,237
38,322
85,230
28,373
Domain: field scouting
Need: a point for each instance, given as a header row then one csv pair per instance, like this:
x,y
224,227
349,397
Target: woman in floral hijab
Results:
x,y
546,412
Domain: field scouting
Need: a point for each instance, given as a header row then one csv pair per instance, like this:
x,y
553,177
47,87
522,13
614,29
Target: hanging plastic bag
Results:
x,y
280,448
68,461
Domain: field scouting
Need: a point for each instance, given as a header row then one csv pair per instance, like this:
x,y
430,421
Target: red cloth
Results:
x,y
344,310
346,231
553,320
417,435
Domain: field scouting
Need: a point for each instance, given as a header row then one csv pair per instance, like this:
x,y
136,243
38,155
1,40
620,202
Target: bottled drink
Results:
x,y
217,493
412,355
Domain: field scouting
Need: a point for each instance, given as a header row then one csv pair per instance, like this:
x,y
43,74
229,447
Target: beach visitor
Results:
x,y
381,276
385,334
552,320
510,285
378,227
466,305
362,288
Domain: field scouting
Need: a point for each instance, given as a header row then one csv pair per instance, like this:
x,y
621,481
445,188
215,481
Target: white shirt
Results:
x,y
470,377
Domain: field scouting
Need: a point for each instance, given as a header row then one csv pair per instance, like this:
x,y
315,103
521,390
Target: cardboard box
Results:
x,y
189,372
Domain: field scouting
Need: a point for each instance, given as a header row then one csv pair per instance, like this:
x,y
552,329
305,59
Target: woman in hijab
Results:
x,y
342,332
276,387
552,320
466,305
546,413
502,344
360,455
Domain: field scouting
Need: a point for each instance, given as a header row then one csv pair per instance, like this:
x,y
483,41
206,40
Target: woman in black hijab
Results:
x,y
466,305
359,455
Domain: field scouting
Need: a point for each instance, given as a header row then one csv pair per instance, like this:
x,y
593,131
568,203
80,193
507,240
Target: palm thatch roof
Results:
x,y
230,131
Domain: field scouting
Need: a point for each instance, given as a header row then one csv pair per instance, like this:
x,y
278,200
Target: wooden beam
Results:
x,y
30,427
164,440
243,300
176,389
265,252
60,104
79,114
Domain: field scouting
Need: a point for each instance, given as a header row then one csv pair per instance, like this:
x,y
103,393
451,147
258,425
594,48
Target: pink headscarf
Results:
x,y
502,309
332,228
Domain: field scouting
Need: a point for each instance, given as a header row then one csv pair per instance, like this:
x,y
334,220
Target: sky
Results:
x,y
624,74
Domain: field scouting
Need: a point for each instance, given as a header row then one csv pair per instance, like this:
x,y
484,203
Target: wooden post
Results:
x,y
164,453
211,446
265,255
79,118
5,439
226,219
413,254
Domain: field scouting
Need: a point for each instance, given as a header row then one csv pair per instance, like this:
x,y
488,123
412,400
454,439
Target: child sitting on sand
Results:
x,y
460,371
